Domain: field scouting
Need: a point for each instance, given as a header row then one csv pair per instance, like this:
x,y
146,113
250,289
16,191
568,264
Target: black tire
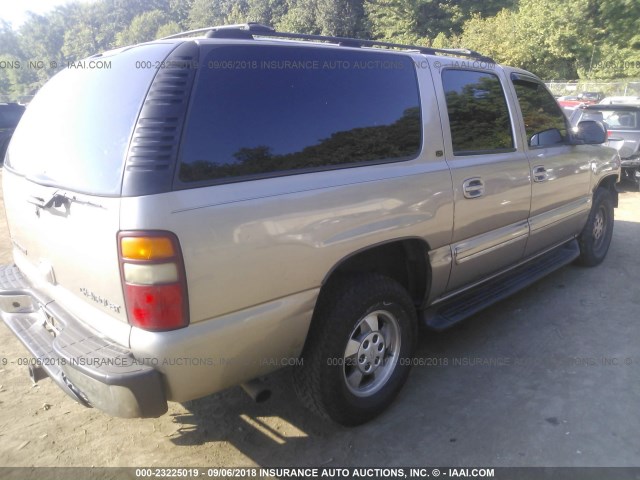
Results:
x,y
595,238
332,381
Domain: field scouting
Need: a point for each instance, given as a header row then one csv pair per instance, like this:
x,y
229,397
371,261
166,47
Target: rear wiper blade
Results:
x,y
55,200
58,199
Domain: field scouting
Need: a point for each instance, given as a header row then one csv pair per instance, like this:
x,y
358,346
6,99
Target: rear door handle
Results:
x,y
473,187
540,174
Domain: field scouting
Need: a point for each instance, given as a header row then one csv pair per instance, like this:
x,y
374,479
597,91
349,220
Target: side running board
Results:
x,y
448,313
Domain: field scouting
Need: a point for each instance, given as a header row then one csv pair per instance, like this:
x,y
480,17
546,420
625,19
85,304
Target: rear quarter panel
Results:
x,y
256,252
245,244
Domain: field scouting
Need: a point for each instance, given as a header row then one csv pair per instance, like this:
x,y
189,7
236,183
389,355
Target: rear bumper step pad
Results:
x,y
91,369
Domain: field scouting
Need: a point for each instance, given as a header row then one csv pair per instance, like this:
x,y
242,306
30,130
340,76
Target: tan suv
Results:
x,y
193,213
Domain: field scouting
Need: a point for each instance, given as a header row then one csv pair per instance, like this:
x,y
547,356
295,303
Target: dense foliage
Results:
x,y
588,39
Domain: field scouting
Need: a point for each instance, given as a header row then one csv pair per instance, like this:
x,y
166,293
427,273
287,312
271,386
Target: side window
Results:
x,y
544,121
258,110
478,113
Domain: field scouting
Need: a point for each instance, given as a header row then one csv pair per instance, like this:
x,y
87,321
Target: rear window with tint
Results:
x,y
76,131
265,110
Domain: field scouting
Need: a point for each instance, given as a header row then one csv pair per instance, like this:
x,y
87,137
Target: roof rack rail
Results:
x,y
248,30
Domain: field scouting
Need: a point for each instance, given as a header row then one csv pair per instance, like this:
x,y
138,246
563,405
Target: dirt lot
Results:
x,y
549,377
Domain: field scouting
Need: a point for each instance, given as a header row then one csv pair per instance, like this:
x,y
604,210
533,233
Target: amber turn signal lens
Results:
x,y
147,248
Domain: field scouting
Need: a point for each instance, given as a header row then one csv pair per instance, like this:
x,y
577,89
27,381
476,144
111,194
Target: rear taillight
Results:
x,y
153,279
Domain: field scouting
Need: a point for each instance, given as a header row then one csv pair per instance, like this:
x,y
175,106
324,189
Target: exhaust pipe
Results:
x,y
257,390
37,373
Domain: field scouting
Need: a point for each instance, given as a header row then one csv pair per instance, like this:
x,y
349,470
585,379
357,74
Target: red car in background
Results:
x,y
590,98
569,101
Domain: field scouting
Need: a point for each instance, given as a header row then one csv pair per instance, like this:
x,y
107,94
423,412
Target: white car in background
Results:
x,y
622,122
621,100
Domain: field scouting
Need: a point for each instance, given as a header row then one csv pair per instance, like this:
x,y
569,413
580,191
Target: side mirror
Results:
x,y
589,132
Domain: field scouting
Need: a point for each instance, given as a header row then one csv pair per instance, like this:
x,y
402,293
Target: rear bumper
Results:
x,y
631,168
630,162
91,369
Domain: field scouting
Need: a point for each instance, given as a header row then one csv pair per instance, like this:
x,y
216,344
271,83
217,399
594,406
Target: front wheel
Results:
x,y
358,352
596,236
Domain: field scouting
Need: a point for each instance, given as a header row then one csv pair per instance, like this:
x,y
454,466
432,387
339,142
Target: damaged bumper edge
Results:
x,y
91,369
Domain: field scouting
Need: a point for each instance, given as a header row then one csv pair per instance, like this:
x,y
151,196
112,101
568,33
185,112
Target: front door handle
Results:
x,y
473,187
540,174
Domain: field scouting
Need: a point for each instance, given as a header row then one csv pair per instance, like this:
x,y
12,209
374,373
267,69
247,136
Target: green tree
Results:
x,y
557,40
301,17
616,40
412,21
395,20
40,40
178,12
142,28
543,36
207,13
8,39
266,12
86,33
9,77
167,29
539,36
342,18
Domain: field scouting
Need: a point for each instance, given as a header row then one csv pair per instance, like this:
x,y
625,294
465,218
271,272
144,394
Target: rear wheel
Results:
x,y
596,236
357,356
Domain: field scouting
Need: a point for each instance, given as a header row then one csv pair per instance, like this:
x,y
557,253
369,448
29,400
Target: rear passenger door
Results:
x,y
491,183
561,172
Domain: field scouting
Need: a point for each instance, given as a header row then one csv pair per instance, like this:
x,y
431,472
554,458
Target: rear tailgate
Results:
x,y
68,251
63,181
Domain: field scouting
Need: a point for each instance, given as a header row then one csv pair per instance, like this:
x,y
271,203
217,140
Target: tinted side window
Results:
x,y
478,113
544,121
263,109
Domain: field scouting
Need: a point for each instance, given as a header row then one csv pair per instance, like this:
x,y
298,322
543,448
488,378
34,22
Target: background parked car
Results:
x,y
10,114
621,100
570,101
590,97
623,128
